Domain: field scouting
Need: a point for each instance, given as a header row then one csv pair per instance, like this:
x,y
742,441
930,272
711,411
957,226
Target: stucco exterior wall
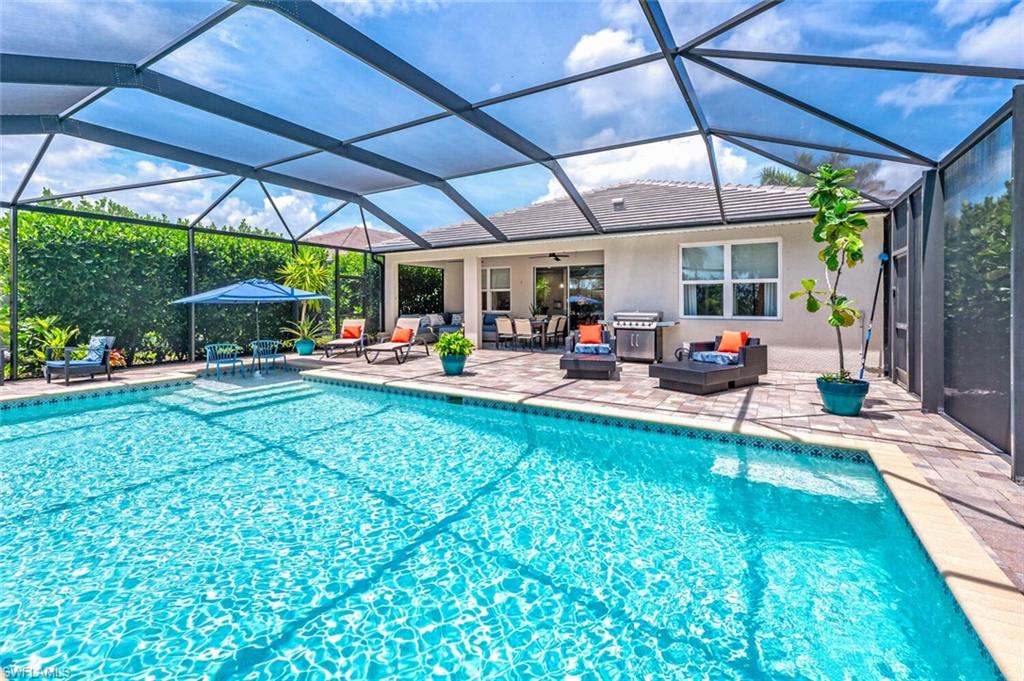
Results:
x,y
642,271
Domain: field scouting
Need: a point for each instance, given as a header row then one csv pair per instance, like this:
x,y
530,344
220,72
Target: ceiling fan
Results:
x,y
557,257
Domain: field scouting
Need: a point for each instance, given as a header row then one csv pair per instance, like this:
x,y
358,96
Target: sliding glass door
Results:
x,y
586,294
573,290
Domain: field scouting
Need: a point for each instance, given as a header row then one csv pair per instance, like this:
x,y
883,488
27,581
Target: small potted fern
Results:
x,y
839,227
453,349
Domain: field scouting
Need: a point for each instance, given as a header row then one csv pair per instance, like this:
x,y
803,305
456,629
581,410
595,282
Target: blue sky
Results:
x,y
484,49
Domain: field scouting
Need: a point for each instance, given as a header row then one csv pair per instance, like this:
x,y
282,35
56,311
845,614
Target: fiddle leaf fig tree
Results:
x,y
839,227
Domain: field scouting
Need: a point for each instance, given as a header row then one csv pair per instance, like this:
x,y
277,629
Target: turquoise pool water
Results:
x,y
308,531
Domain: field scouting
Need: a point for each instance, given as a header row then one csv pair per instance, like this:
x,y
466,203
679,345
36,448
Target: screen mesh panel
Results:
x,y
928,113
154,117
445,147
117,31
21,98
342,173
484,49
290,73
634,104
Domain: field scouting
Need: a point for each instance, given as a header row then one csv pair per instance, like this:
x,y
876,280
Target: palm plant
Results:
x,y
306,270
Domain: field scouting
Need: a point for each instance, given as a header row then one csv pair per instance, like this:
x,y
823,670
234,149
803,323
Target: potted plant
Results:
x,y
306,270
453,348
839,227
303,335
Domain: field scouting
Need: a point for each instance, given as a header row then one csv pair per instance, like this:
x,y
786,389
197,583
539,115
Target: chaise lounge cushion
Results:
x,y
59,363
712,357
593,348
352,331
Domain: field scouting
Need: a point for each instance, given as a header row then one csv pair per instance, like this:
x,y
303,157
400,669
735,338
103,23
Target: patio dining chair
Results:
x,y
505,332
554,328
525,333
221,354
266,351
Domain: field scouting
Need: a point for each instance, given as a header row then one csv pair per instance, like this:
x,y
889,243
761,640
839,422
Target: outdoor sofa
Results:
x,y
698,371
431,326
590,361
96,360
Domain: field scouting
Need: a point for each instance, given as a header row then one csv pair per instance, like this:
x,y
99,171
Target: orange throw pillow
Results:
x,y
590,334
732,341
401,336
353,331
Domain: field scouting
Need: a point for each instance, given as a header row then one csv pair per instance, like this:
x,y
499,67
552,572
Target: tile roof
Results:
x,y
646,204
353,237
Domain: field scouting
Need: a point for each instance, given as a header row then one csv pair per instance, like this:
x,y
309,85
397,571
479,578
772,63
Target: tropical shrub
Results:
x,y
420,289
110,278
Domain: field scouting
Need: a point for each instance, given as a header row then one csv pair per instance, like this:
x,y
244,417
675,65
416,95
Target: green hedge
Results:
x,y
118,279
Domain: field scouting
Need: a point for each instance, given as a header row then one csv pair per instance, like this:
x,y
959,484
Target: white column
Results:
x,y
471,298
390,293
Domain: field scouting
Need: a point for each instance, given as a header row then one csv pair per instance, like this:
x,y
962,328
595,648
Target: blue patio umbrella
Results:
x,y
251,292
579,299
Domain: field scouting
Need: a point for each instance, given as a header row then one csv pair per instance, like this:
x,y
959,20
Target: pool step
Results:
x,y
204,402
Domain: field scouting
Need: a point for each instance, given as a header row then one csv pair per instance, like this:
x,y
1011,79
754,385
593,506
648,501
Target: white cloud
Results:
x,y
683,159
924,92
618,92
998,42
768,32
957,12
300,211
360,9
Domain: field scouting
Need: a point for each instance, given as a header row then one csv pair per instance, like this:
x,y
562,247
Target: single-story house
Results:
x,y
663,249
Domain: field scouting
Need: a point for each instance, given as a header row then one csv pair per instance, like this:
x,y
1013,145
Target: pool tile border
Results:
x,y
8,403
678,430
992,604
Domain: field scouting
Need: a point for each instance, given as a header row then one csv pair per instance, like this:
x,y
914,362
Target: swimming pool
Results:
x,y
302,529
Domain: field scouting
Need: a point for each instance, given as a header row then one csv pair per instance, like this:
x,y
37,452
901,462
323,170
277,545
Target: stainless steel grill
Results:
x,y
638,335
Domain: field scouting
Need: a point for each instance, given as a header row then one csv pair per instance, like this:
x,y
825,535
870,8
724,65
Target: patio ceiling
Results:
x,y
305,119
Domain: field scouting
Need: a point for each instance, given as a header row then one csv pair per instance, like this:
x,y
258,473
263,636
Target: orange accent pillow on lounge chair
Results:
x,y
732,341
352,331
401,336
590,334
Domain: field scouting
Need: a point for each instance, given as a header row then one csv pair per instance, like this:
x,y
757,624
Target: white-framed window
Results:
x,y
730,280
496,289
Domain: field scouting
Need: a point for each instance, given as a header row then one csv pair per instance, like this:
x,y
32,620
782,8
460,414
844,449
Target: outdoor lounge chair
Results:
x,y
598,363
352,337
402,349
703,377
222,354
96,360
264,351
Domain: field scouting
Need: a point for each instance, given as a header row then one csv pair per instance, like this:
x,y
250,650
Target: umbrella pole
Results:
x,y
257,321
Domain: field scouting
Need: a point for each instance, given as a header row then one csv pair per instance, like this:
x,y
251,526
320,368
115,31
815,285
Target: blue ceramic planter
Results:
x,y
453,364
843,399
305,346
